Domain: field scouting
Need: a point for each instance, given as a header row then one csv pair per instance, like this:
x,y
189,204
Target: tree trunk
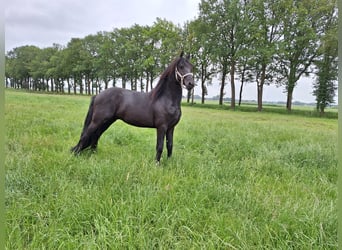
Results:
x,y
47,84
321,109
81,86
289,99
203,91
232,85
123,83
142,86
203,84
151,80
223,79
289,95
290,87
55,80
88,88
135,84
75,87
147,79
240,93
192,96
52,87
188,96
260,89
69,86
261,86
62,85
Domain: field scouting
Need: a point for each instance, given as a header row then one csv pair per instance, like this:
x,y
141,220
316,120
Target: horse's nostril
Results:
x,y
190,85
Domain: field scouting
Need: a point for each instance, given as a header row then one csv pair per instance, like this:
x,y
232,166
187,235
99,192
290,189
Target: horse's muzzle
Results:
x,y
189,84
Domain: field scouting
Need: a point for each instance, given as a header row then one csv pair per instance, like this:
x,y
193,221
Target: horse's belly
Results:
x,y
139,123
139,119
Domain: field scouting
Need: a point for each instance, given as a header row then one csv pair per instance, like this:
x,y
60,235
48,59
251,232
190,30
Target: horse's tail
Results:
x,y
89,115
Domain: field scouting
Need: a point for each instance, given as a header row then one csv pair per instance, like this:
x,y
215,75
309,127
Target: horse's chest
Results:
x,y
167,114
174,111
173,114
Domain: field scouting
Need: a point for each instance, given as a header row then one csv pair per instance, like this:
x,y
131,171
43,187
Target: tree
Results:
x,y
90,53
149,60
129,51
74,62
123,54
105,63
244,71
325,85
11,80
227,29
200,47
168,42
136,43
302,25
42,67
20,65
261,43
58,69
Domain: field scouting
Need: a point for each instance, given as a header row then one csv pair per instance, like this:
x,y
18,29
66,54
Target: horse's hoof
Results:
x,y
75,150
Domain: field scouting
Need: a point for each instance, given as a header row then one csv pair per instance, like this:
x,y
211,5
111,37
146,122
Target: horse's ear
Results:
x,y
188,56
182,53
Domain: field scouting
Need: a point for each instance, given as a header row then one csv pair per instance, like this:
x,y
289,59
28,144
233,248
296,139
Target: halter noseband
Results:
x,y
182,77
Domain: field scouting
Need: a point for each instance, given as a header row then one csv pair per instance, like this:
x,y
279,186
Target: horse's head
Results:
x,y
183,72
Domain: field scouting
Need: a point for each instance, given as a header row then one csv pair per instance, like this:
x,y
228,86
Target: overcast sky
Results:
x,y
44,22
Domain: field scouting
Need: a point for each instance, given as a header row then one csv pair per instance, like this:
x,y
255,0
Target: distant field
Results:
x,y
301,110
237,180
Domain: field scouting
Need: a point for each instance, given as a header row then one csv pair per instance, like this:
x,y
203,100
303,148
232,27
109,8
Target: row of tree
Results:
x,y
128,55
260,41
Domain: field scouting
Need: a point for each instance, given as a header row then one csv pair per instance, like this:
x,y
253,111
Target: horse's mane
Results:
x,y
169,71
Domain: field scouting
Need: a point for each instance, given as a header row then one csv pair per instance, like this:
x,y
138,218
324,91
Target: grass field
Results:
x,y
237,180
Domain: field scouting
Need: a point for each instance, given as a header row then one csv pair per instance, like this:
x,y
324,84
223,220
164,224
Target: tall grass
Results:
x,y
236,180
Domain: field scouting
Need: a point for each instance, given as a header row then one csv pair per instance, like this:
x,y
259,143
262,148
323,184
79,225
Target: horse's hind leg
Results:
x,y
96,136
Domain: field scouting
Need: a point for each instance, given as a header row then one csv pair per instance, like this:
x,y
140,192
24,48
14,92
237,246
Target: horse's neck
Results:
x,y
174,91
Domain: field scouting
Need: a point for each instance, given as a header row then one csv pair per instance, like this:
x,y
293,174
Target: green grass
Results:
x,y
237,180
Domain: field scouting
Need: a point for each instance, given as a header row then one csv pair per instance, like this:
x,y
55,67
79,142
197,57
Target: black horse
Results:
x,y
160,108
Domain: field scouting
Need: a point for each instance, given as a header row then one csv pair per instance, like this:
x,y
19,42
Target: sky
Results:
x,y
43,22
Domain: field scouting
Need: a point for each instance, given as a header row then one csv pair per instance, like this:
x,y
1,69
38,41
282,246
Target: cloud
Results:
x,y
41,22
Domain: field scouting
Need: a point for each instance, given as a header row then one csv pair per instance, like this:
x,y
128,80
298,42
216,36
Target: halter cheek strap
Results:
x,y
177,74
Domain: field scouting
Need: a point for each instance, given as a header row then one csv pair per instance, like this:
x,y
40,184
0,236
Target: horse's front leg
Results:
x,y
160,142
169,141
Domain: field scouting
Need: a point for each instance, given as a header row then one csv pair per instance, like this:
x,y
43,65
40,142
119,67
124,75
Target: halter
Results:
x,y
182,77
